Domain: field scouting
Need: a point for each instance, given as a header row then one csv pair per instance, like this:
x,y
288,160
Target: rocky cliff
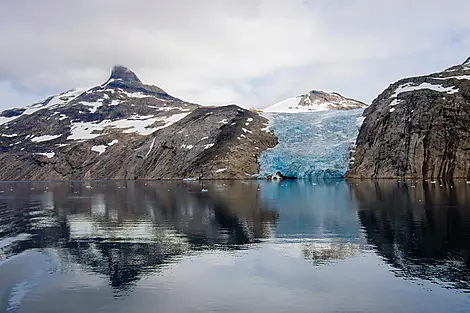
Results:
x,y
124,129
417,128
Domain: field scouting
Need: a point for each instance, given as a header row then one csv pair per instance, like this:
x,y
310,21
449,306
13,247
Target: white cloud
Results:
x,y
220,51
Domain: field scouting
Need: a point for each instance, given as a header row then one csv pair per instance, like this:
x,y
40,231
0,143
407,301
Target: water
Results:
x,y
312,145
290,246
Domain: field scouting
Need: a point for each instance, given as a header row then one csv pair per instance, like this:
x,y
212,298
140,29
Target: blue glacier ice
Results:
x,y
311,145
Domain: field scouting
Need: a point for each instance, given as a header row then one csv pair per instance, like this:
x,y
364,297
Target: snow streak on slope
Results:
x,y
287,105
311,145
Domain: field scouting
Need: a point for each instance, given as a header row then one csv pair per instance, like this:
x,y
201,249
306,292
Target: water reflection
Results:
x,y
293,231
317,219
128,229
421,228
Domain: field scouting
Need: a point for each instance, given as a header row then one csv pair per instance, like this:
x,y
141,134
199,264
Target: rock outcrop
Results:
x,y
124,129
417,128
315,101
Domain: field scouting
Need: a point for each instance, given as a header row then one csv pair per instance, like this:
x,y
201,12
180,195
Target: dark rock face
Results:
x,y
124,74
417,128
124,129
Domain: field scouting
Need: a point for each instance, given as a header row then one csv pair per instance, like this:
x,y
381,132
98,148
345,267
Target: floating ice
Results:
x,y
311,145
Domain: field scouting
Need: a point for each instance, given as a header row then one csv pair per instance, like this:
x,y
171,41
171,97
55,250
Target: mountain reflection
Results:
x,y
126,230
421,229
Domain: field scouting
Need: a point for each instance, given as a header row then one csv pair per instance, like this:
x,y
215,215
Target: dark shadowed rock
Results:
x,y
417,128
123,73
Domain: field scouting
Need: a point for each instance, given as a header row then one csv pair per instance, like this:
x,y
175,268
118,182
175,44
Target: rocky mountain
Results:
x,y
124,129
417,128
315,101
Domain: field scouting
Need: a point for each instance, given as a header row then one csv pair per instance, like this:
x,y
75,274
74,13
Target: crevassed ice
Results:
x,y
311,145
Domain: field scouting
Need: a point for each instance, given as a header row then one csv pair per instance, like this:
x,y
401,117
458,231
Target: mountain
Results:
x,y
417,128
124,129
315,101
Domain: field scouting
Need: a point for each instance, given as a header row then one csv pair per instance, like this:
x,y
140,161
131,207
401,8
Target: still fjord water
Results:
x,y
234,246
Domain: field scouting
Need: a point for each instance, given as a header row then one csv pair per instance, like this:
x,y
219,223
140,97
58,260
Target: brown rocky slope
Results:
x,y
124,129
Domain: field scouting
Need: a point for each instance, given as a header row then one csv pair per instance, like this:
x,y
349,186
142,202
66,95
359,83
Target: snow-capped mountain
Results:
x,y
315,101
124,129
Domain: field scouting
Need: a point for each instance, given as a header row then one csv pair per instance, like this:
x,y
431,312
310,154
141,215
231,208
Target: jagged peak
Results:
x,y
467,61
120,72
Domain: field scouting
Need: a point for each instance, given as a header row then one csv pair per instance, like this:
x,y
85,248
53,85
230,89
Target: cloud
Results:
x,y
251,52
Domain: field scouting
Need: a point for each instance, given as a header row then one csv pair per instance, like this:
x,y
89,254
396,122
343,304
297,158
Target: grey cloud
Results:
x,y
217,51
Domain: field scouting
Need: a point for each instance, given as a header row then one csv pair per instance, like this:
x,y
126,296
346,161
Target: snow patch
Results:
x,y
395,102
93,106
409,87
44,138
188,147
100,149
56,101
135,124
221,170
451,77
9,136
4,120
208,146
287,105
49,155
151,147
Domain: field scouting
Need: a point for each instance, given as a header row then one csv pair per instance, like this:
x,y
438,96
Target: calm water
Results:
x,y
232,246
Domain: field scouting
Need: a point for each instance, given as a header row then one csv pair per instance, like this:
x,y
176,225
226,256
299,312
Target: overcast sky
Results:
x,y
250,52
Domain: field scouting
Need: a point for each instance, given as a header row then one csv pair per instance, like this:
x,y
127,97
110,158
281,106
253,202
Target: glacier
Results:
x,y
313,145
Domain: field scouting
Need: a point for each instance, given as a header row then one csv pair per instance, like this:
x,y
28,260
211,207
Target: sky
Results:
x,y
214,52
